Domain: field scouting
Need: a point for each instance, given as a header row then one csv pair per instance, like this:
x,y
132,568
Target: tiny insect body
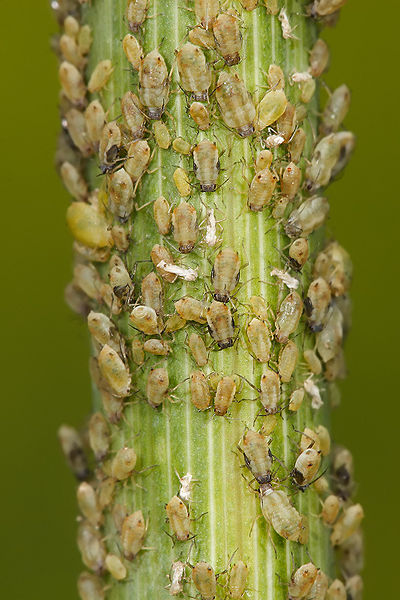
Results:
x,y
182,182
296,145
354,587
288,317
109,145
200,115
157,347
224,396
301,581
133,533
287,361
257,456
76,125
91,547
347,524
206,165
136,11
113,406
306,467
88,225
279,513
162,215
133,50
103,330
181,145
133,114
202,37
94,121
296,400
237,580
319,58
324,8
206,11
270,391
72,447
235,104
198,349
115,567
90,587
154,84
114,371
161,253
259,336
336,591
191,309
176,577
310,215
72,83
259,308
203,576
120,190
290,181
99,436
157,386
184,224
194,72
330,509
178,518
317,303
100,76
261,189
152,293
319,587
138,158
270,108
299,252
334,265
199,390
73,181
227,36
225,274
330,338
221,324
123,463
145,319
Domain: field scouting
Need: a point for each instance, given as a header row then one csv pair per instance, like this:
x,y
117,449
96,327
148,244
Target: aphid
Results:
x,y
211,229
99,436
275,78
324,439
94,121
136,13
324,8
71,26
90,587
70,50
296,400
325,156
203,576
259,307
199,390
185,491
347,524
133,51
317,303
336,367
225,274
120,280
198,349
330,339
138,159
309,439
301,581
110,143
145,319
291,282
72,448
271,6
182,146
113,407
152,294
321,486
298,253
319,587
133,114
263,160
296,145
85,39
73,181
300,77
237,580
120,238
330,509
347,141
270,391
120,188
343,471
206,11
91,547
182,182
103,330
88,280
319,58
235,104
206,165
334,265
100,75
336,591
352,554
257,456
225,394
159,254
249,4
278,512
178,518
194,72
123,463
176,577
287,30
310,215
270,108
72,83
154,84
186,274
157,386
307,90
161,135
114,371
288,317
274,140
157,347
115,567
261,189
76,125
119,512
287,361
228,38
162,215
200,115
313,391
313,362
132,534
88,504
191,309
306,467
184,225
220,324
290,181
137,352
286,124
202,37
259,336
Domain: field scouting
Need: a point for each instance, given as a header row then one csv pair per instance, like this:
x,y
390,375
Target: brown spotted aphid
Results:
x,y
136,12
88,280
178,518
288,317
176,577
278,512
287,361
133,51
154,84
310,215
261,189
330,509
319,58
133,114
113,406
100,76
299,252
157,347
152,294
202,37
237,580
91,547
194,72
115,567
227,36
99,436
334,265
72,448
120,280
198,349
224,396
203,576
114,371
313,362
184,226
263,161
257,456
132,534
221,324
120,188
157,386
270,108
137,160
90,587
317,303
324,439
206,165
225,274
296,145
306,467
72,83
290,181
123,463
259,336
319,587
109,146
206,11
191,309
144,318
309,439
199,391
200,115
259,308
301,581
347,142
88,225
235,104
103,330
296,400
88,504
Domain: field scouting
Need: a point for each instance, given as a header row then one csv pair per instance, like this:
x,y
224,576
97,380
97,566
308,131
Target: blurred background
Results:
x,y
45,350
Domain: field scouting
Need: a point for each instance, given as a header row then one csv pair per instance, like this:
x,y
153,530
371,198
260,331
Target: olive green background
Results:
x,y
44,346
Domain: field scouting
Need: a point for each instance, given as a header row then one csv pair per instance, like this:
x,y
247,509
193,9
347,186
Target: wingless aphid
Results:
x,y
154,84
319,587
184,224
90,587
259,336
178,518
257,456
123,463
206,11
278,512
237,580
235,104
203,576
91,547
301,581
288,317
227,37
221,324
199,390
176,577
136,13
224,396
194,72
306,467
72,447
157,386
198,349
99,435
132,534
115,567
225,274
206,165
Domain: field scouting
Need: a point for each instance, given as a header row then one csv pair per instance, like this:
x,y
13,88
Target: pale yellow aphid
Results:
x,y
182,146
115,567
174,323
91,547
137,352
225,274
157,347
330,339
133,50
88,504
203,576
325,156
94,120
310,215
133,114
85,39
296,400
194,72
113,407
72,83
317,303
296,145
103,330
306,467
237,580
336,591
100,76
278,512
76,125
288,317
200,115
88,280
301,581
321,486
145,319
119,512
206,11
159,254
154,84
309,439
71,26
324,8
261,189
330,509
324,439
191,309
259,308
161,135
136,11
70,50
114,371
199,390
272,6
270,108
270,391
334,265
257,456
224,396
263,161
99,436
287,361
299,252
74,181
354,587
182,182
319,587
184,227
313,362
120,188
72,448
162,215
178,518
133,533
198,349
138,159
157,386
259,336
319,58
152,293
123,463
202,37
90,587
228,39
275,78
307,90
176,577
220,324
110,141
206,165
235,104
290,181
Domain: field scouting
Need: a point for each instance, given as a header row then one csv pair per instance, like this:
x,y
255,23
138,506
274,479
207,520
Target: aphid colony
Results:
x,y
287,185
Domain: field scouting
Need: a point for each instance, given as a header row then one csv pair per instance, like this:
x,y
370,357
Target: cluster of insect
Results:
x,y
105,289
